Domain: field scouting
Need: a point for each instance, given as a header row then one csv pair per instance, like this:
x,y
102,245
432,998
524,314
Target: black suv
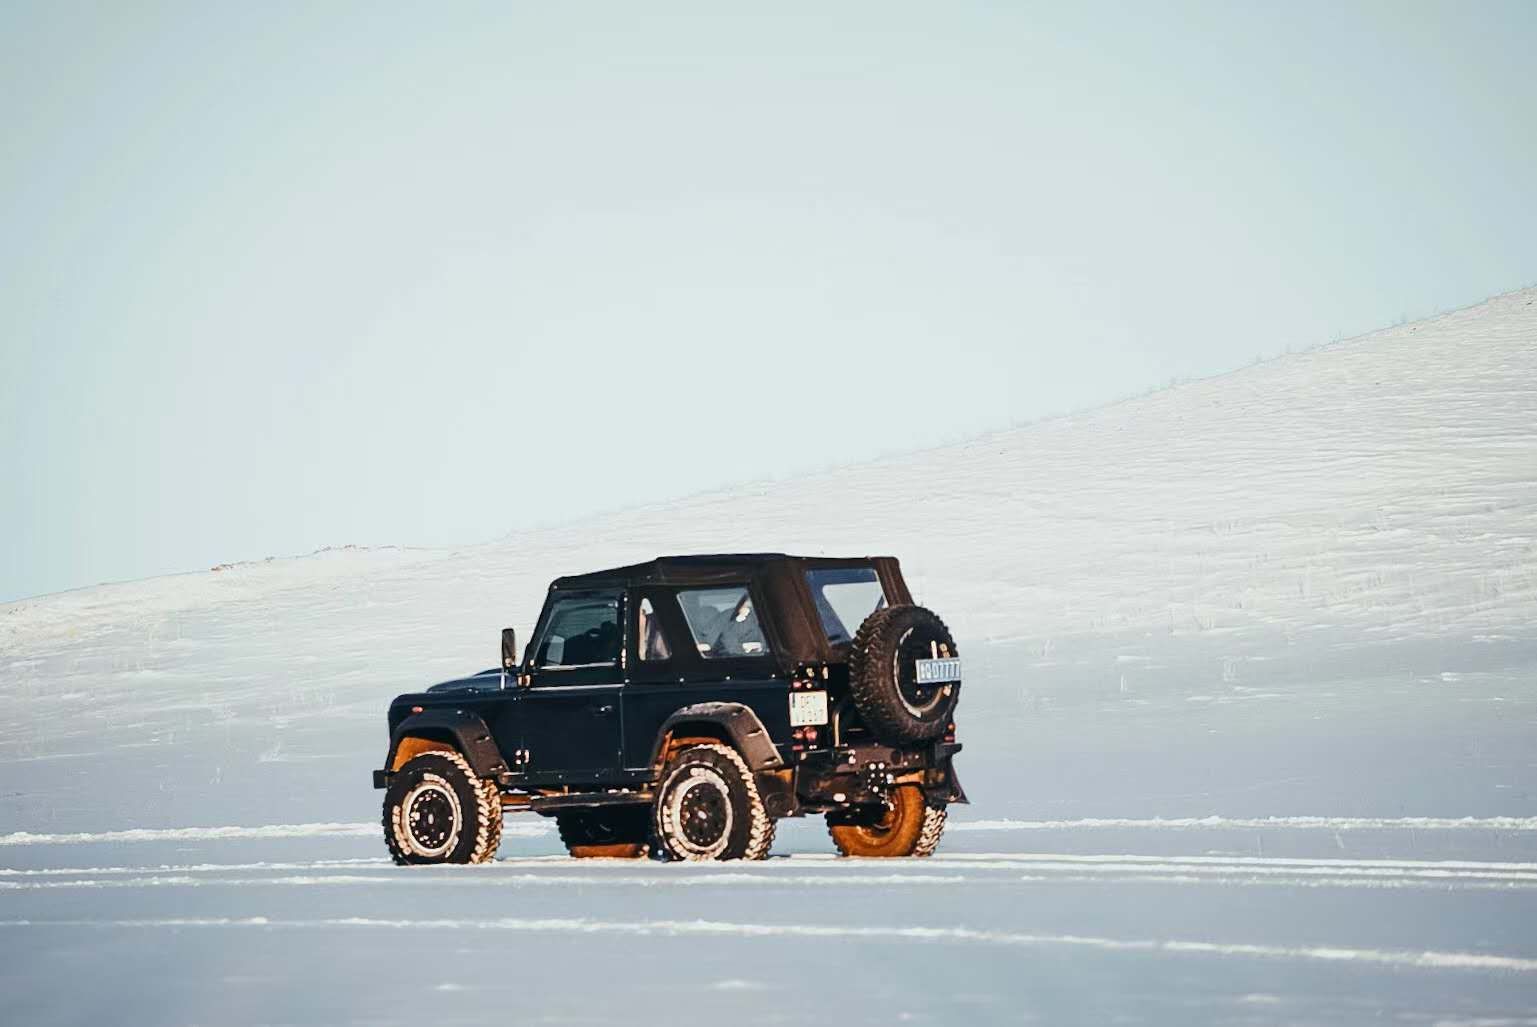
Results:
x,y
681,706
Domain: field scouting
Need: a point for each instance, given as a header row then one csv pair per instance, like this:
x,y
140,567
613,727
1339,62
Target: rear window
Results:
x,y
844,597
723,622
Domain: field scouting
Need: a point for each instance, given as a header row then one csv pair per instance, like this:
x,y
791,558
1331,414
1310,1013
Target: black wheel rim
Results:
x,y
432,818
703,814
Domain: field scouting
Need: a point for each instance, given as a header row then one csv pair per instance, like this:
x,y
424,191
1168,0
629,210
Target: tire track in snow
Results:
x,y
193,868
1307,823
530,829
205,834
805,861
809,871
727,880
747,880
1271,861
1397,958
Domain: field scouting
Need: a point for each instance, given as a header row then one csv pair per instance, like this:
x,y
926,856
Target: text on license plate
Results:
x,y
938,672
808,708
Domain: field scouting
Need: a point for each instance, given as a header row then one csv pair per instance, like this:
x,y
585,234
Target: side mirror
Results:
x,y
509,649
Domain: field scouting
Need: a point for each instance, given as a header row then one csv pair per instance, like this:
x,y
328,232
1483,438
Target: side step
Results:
x,y
586,800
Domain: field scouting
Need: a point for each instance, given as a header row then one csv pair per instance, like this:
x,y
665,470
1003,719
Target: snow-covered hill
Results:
x,y
1298,600
1386,483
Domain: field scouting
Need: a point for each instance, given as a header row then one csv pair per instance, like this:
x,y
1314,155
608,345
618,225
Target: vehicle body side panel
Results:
x,y
572,732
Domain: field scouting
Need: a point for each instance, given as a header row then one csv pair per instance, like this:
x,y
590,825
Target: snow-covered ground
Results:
x,y
1250,719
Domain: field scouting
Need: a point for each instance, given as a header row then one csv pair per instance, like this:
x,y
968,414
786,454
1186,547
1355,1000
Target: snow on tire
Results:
x,y
708,807
438,810
933,828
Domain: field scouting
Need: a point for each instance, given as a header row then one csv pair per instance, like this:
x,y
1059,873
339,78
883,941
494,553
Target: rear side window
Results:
x,y
844,597
723,622
583,631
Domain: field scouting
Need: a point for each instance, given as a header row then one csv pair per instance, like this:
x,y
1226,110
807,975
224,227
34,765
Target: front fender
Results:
x,y
464,731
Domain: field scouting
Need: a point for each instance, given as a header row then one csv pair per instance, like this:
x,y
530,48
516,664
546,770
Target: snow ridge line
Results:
x,y
206,834
399,880
1055,874
1429,960
516,829
823,863
1324,823
195,868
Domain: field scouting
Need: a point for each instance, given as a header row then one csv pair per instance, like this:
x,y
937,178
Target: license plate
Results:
x,y
808,708
939,672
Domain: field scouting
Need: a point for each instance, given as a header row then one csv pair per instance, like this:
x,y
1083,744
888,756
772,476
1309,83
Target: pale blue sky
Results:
x,y
280,276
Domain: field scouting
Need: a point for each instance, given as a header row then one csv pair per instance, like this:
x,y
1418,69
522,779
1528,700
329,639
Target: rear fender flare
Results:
x,y
738,723
464,731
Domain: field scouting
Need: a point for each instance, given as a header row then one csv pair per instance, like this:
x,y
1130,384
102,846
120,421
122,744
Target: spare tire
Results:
x,y
883,675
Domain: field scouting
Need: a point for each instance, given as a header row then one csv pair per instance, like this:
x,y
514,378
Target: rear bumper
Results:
x,y
851,776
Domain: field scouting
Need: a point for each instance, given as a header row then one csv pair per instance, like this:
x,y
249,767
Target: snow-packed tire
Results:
x,y
708,807
620,832
909,827
883,675
437,810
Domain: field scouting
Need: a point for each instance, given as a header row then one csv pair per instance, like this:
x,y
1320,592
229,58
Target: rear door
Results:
x,y
713,650
655,689
571,710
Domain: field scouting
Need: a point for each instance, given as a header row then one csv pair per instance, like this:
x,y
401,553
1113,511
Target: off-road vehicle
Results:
x,y
682,706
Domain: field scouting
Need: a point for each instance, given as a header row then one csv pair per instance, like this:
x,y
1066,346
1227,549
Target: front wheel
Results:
x,y
909,827
437,810
708,807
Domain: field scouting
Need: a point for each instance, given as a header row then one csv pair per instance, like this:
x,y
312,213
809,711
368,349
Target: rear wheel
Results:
x,y
618,833
909,827
708,807
437,810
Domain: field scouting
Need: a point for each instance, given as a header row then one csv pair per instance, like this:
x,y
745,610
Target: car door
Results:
x,y
571,716
655,689
716,652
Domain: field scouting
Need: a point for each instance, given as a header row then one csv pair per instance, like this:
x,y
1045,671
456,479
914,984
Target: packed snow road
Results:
x,y
317,928
1040,905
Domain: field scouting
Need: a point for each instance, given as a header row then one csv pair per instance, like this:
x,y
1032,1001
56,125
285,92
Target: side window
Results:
x,y
651,641
582,631
844,597
723,622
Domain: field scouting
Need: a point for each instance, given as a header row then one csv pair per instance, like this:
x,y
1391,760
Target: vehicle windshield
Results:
x,y
845,596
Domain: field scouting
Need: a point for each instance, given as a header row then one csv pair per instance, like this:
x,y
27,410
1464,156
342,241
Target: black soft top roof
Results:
x,y
707,569
791,618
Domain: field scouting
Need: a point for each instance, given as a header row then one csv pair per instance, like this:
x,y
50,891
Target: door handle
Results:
x,y
603,710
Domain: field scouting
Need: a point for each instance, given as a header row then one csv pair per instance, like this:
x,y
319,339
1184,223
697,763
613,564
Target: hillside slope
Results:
x,y
1387,482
